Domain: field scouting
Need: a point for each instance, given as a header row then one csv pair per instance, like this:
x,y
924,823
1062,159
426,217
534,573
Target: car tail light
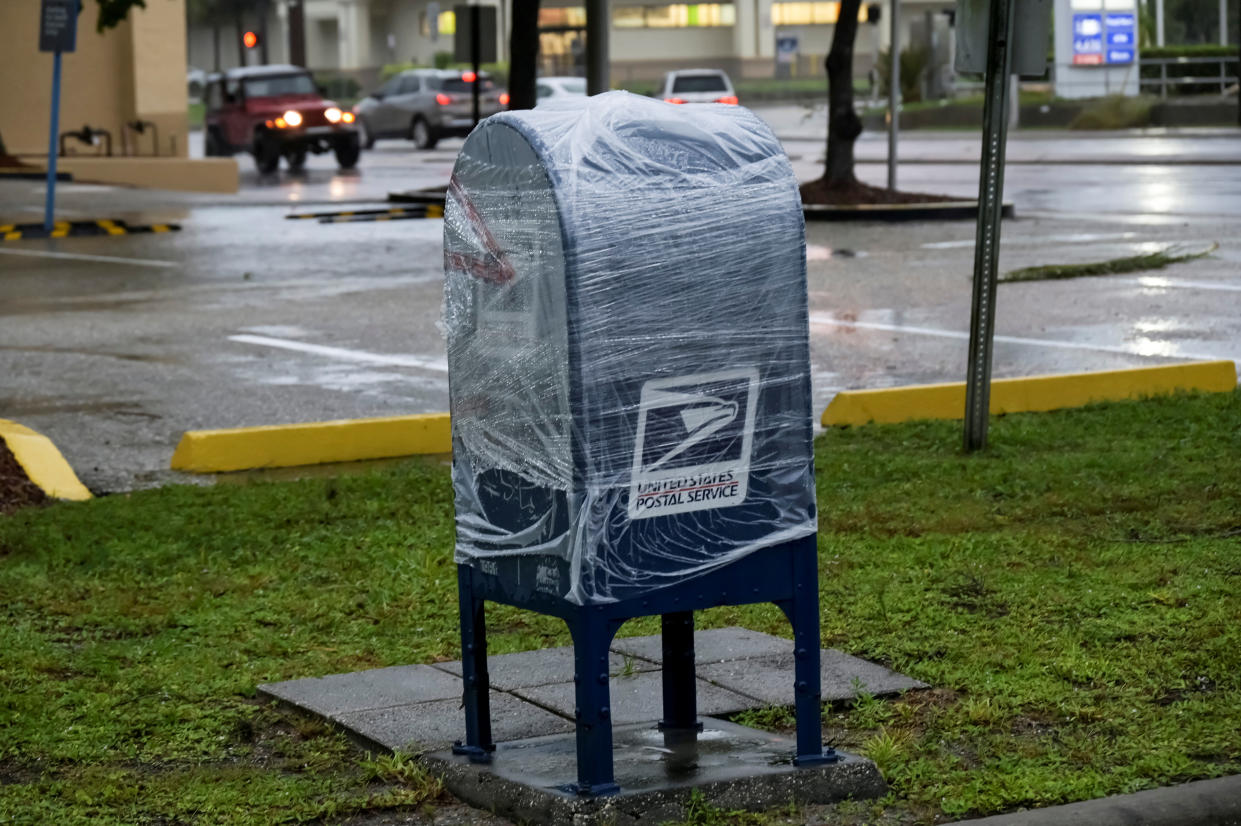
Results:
x,y
731,99
469,77
443,99
504,98
674,100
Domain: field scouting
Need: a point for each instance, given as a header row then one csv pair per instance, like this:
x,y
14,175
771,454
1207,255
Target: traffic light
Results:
x,y
874,12
250,40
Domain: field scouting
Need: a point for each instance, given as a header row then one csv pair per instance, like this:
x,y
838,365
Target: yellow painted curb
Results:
x,y
1033,393
312,443
42,462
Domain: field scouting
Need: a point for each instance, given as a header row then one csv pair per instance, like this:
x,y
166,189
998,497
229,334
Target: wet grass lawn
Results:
x,y
1072,596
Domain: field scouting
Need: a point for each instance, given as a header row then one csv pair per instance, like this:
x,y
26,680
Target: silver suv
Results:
x,y
697,86
426,105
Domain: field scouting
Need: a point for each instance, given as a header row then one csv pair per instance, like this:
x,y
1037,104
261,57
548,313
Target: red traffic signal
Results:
x,y
250,40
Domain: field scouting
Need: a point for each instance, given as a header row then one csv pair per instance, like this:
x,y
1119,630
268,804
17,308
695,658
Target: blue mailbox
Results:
x,y
626,323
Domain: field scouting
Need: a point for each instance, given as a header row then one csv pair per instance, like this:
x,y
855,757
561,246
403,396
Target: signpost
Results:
x,y
58,28
475,41
986,29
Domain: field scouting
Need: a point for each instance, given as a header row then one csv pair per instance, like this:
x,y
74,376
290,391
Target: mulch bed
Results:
x,y
853,193
16,491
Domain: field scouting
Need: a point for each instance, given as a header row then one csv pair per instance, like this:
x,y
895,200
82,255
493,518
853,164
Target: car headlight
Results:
x,y
292,118
332,114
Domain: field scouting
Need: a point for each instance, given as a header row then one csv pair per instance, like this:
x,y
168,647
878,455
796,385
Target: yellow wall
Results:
x,y
135,71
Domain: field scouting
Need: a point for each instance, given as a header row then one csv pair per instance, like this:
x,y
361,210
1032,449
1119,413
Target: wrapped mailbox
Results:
x,y
626,322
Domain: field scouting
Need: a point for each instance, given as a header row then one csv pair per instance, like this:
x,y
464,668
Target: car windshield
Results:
x,y
699,83
456,84
277,85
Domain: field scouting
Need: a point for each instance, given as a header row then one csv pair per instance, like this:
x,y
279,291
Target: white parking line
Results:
x,y
1027,240
77,256
1158,282
360,356
1152,349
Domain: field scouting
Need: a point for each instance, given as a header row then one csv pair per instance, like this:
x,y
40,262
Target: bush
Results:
x,y
1114,112
339,87
914,63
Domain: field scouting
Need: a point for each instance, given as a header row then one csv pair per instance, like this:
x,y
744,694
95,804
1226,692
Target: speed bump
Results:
x,y
42,462
1029,394
74,229
358,215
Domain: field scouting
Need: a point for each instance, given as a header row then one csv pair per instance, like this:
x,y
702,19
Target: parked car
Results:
x,y
697,86
558,88
426,105
273,112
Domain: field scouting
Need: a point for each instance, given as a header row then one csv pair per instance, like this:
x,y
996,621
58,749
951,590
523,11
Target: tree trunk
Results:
x,y
523,54
843,124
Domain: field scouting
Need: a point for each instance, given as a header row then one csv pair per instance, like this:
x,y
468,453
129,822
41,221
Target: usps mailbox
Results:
x,y
626,323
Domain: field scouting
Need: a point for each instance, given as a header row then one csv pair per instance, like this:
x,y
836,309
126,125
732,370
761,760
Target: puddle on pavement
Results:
x,y
139,357
327,471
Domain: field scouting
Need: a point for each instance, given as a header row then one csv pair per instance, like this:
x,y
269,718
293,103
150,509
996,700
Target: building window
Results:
x,y
809,14
572,18
446,23
676,16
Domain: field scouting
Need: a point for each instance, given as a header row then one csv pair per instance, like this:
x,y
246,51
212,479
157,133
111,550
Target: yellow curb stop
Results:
x,y
42,462
1029,394
312,443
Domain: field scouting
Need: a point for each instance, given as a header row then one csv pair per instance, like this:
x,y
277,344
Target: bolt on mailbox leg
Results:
x,y
803,613
592,635
476,696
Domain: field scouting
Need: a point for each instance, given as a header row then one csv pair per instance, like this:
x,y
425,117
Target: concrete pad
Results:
x,y
438,724
637,698
340,694
715,645
770,679
526,669
735,767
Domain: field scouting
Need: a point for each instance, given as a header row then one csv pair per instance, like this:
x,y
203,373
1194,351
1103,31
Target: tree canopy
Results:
x,y
112,12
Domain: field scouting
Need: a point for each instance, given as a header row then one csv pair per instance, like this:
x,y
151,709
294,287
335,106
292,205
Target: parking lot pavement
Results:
x,y
114,346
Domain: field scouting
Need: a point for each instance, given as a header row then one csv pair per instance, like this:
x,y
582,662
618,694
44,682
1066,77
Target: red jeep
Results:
x,y
271,111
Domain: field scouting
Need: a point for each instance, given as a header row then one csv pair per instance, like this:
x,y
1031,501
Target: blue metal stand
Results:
x,y
785,574
49,206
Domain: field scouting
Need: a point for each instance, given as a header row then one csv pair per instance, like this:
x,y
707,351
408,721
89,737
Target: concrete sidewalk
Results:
x,y
1202,803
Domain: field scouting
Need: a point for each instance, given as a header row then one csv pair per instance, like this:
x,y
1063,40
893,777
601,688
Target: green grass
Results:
x,y
1071,595
195,115
1112,266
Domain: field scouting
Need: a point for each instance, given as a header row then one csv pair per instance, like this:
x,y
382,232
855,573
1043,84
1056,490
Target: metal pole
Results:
x,y
894,89
1159,22
1223,22
987,241
597,63
49,206
476,43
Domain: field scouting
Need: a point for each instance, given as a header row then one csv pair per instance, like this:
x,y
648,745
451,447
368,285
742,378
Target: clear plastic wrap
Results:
x,y
625,312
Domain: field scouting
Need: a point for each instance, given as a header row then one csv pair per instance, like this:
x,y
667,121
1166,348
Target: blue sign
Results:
x,y
1104,39
1087,25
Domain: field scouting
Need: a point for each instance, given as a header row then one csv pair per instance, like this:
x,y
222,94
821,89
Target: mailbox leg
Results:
x,y
803,613
680,688
592,636
476,695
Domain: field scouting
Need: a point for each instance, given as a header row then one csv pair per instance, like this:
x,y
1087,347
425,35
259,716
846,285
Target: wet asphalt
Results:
x,y
115,346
